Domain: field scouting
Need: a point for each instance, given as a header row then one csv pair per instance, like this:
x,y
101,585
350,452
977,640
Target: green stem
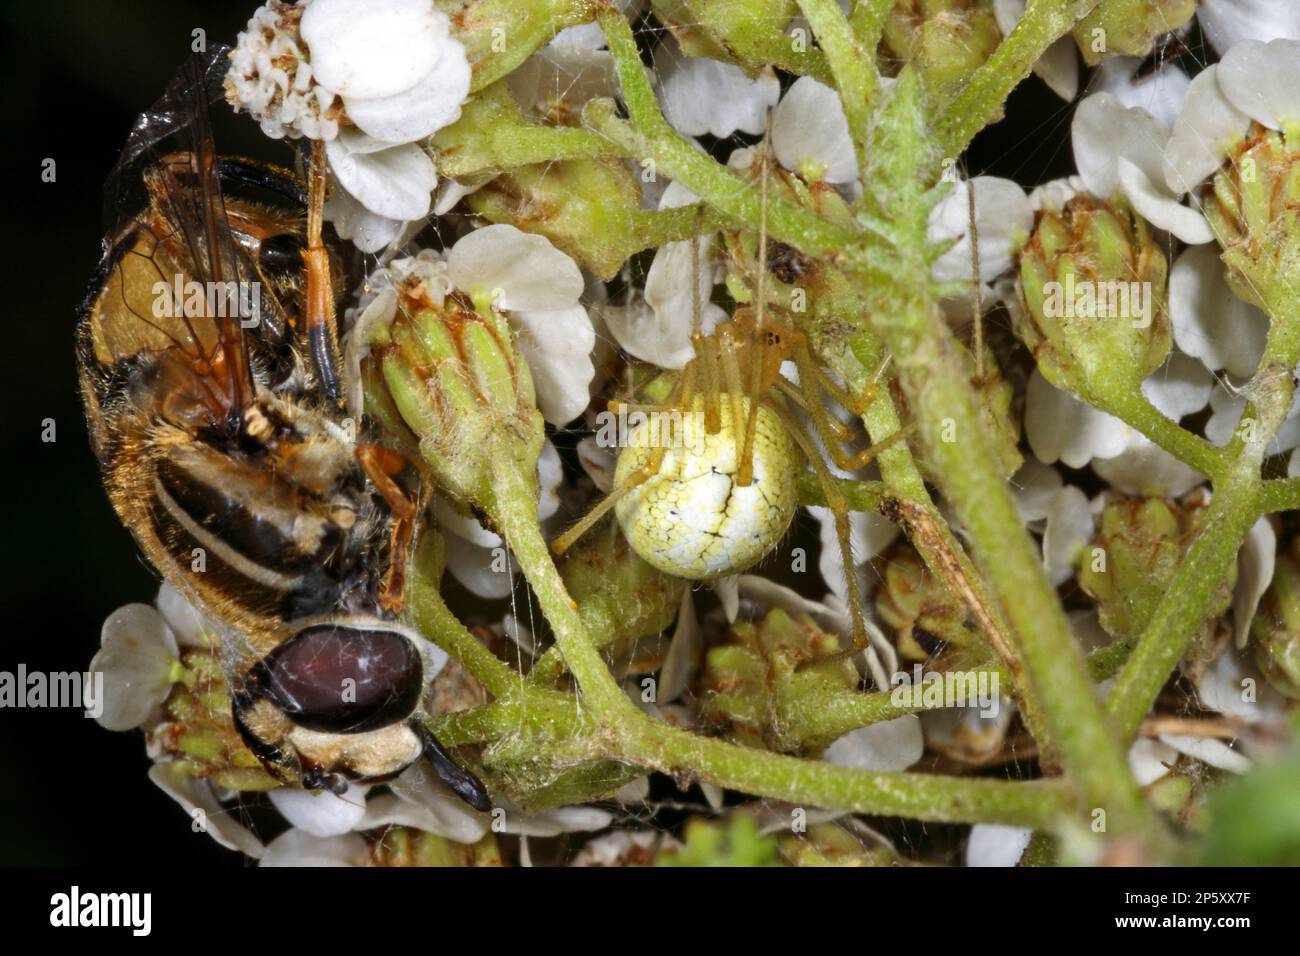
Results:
x,y
868,21
1135,409
981,99
852,64
651,137
1280,494
525,146
513,510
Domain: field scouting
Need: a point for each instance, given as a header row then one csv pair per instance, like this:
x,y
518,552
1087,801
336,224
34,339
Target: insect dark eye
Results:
x,y
342,680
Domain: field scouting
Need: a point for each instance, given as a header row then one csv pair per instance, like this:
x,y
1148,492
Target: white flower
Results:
x,y
1122,149
1255,564
200,802
534,285
1068,528
1058,67
298,848
1227,22
392,182
1160,92
658,329
992,844
139,658
1004,217
700,95
889,745
556,81
321,813
1228,403
1254,81
810,135
1209,320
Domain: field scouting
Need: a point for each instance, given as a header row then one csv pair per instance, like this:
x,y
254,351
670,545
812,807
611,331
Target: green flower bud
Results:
x,y
1129,27
1254,210
736,842
1142,542
932,624
829,844
1092,288
745,32
587,207
453,376
199,735
756,681
405,846
1276,627
947,40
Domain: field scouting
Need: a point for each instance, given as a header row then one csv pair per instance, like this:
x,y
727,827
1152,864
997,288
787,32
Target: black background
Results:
x,y
79,73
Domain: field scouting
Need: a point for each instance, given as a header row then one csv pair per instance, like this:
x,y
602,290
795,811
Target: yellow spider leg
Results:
x,y
601,508
731,371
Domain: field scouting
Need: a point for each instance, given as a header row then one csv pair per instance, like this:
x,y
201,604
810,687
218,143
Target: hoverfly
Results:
x,y
208,364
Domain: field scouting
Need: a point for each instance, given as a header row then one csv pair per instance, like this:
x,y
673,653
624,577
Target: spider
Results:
x,y
720,492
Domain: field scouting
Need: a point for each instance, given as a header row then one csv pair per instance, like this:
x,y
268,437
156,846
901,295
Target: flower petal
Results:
x,y
1105,130
1034,488
557,346
810,134
1227,22
1179,387
992,844
889,745
367,231
529,272
1158,207
1209,321
373,47
700,95
1203,134
422,110
1263,80
1069,528
1062,428
479,569
396,183
298,848
1003,220
1144,468
1058,66
1160,93
1208,750
1254,575
321,813
136,654
1150,759
200,801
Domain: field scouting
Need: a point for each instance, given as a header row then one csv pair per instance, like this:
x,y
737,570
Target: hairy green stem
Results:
x,y
852,64
981,99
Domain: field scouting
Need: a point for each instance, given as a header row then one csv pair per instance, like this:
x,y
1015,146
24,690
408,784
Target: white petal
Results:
x,y
809,132
474,567
136,654
668,286
598,463
562,75
448,519
368,231
1208,750
1234,687
321,813
550,475
557,346
701,96
1105,130
1156,206
186,622
1209,321
1228,406
1148,759
1263,80
1204,133
965,730
1144,468
659,336
992,844
297,848
1069,528
1228,22
1003,220
1179,387
440,810
1062,428
373,47
1160,93
1034,487
395,183
201,803
550,823
525,271
1055,193
420,111
1254,575
889,745
869,535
